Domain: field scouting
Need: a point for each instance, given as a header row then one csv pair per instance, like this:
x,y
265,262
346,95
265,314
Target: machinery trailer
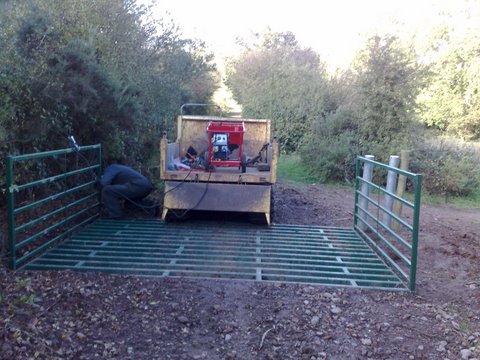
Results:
x,y
219,164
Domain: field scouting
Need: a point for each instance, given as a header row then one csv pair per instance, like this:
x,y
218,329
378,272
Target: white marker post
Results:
x,y
363,202
391,186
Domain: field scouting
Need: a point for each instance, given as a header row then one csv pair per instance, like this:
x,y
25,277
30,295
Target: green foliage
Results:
x,y
292,168
332,147
373,108
25,299
451,101
471,201
449,168
103,71
389,80
279,80
23,283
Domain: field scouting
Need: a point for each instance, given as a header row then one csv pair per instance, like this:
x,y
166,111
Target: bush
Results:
x,y
450,168
332,147
102,70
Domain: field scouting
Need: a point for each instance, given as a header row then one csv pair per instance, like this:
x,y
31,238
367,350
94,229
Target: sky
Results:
x,y
334,29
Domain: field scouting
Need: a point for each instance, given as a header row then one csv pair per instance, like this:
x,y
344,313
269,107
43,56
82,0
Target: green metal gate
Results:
x,y
355,256
393,235
43,210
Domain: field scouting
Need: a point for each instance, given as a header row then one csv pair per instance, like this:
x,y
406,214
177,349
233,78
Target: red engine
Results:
x,y
225,138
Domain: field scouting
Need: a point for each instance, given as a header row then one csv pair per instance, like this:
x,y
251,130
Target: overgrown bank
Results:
x,y
387,101
103,71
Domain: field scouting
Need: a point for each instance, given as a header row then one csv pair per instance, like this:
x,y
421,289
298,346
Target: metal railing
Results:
x,y
395,240
54,206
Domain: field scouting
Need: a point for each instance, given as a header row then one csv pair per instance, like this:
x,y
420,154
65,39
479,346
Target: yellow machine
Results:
x,y
192,182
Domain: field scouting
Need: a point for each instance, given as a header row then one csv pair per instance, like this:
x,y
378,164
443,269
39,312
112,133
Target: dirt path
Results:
x,y
68,315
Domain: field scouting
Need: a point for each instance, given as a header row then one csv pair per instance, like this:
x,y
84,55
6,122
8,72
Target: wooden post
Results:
x,y
163,154
363,202
391,185
402,182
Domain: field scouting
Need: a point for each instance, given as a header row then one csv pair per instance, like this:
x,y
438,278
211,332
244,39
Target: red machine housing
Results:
x,y
224,138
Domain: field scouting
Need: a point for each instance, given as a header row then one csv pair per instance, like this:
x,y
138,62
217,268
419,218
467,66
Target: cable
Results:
x,y
73,144
145,208
198,202
181,183
76,148
141,206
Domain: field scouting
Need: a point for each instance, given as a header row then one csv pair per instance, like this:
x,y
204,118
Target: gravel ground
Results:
x,y
70,315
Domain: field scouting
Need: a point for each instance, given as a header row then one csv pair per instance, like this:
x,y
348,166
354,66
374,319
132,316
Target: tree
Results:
x,y
371,110
389,79
451,101
103,71
277,79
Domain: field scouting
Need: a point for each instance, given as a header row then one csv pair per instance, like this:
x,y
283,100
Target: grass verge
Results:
x,y
292,170
462,202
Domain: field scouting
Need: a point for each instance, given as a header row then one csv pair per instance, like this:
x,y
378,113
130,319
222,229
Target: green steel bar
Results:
x,y
12,212
219,269
387,229
416,223
413,229
384,210
159,255
231,275
308,238
56,177
391,168
388,243
52,153
247,231
65,167
54,212
63,252
54,197
53,227
52,241
197,249
231,241
10,215
151,248
384,254
80,245
381,189
99,173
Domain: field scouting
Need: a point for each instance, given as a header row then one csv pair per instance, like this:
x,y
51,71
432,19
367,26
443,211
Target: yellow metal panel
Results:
x,y
222,175
217,197
192,131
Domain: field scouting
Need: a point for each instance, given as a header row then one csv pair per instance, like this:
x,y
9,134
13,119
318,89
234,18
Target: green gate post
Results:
x,y
10,214
409,259
13,244
99,172
416,220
